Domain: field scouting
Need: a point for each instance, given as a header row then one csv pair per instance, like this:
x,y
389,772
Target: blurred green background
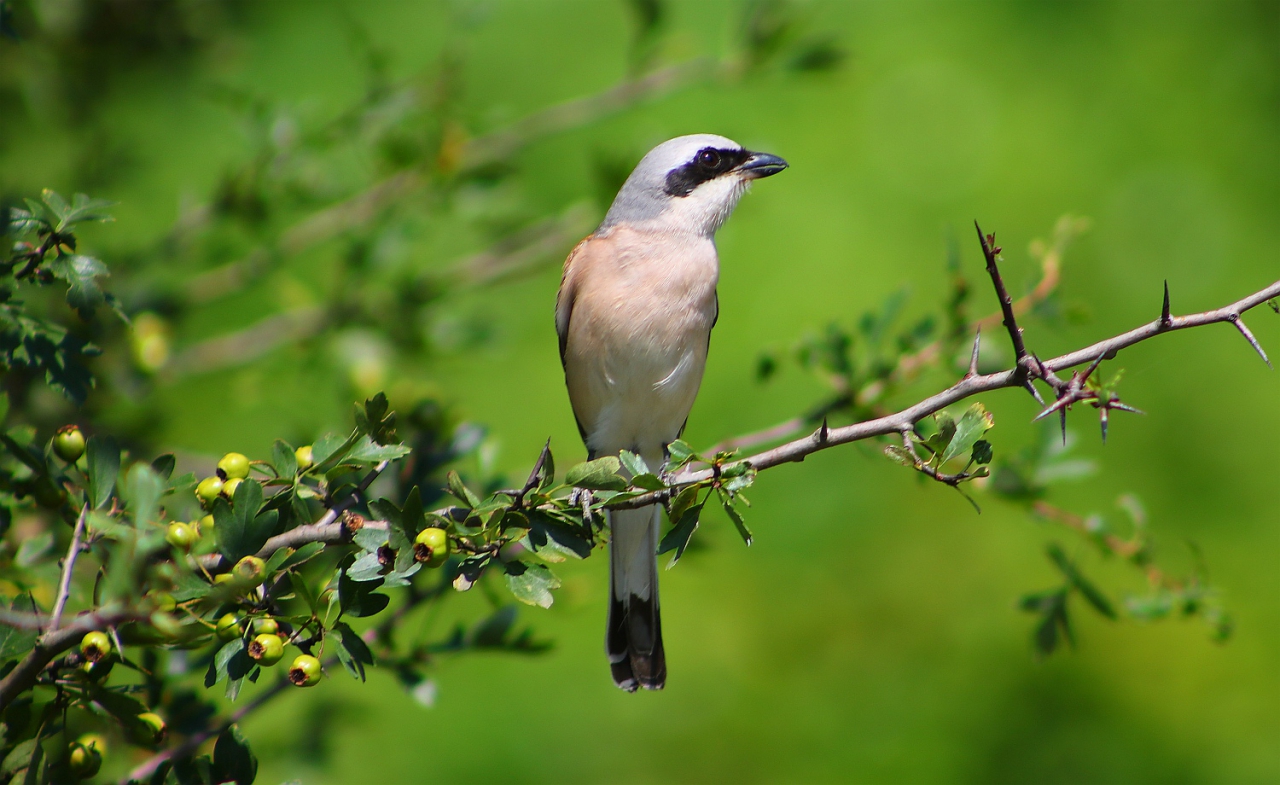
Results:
x,y
870,634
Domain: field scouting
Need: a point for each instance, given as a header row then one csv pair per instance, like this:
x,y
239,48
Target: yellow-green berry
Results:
x,y
95,645
250,571
431,546
304,457
266,649
266,626
234,466
305,671
68,443
181,535
228,628
208,489
83,761
154,726
229,487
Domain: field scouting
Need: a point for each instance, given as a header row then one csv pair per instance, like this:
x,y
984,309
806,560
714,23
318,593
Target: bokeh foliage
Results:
x,y
871,632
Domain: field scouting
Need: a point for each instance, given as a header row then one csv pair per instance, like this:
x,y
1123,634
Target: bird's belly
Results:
x,y
644,375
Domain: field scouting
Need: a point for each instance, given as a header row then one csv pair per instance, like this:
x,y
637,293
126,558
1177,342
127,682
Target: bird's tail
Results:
x,y
634,638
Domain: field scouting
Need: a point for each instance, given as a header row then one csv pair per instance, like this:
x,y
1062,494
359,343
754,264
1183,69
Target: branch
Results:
x,y
51,644
68,565
967,387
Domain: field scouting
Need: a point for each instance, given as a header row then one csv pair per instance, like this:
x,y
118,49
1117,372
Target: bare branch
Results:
x,y
1248,336
68,565
967,387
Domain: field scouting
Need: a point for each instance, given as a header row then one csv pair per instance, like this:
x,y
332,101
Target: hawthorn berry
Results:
x,y
266,649
229,487
154,726
304,457
83,761
249,571
266,626
431,546
228,628
305,671
95,645
208,489
68,443
234,465
181,535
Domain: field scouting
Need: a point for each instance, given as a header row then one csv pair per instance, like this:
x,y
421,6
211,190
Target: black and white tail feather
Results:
x,y
634,637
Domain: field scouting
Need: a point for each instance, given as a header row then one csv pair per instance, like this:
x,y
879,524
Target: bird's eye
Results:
x,y
709,159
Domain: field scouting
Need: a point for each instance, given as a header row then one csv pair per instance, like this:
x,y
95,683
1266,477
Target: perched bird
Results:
x,y
635,310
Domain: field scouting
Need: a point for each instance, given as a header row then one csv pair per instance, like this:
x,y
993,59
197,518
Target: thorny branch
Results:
x,y
68,567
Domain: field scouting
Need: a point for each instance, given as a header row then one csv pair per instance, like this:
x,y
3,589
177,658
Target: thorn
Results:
x,y
1031,388
1104,424
1059,405
973,358
1248,336
1124,407
822,432
1166,318
1062,418
1093,366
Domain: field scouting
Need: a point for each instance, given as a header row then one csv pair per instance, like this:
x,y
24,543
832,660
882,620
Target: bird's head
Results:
x,y
690,183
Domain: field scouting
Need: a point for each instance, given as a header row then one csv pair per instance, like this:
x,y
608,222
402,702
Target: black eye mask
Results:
x,y
708,164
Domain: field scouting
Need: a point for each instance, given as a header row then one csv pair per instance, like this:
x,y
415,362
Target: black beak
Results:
x,y
762,165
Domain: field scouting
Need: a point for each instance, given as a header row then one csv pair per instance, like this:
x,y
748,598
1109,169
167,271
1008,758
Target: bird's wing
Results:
x,y
573,265
568,291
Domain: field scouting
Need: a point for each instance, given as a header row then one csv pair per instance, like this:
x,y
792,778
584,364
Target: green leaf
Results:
x,y
633,463
366,568
369,451
460,491
649,482
598,475
241,530
358,598
303,590
164,465
33,549
899,454
682,501
15,642
982,452
351,650
680,453
103,461
678,538
738,522
1087,590
232,759
283,458
546,534
143,489
81,273
972,425
532,584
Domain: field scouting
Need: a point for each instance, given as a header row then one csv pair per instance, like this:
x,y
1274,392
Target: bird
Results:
x,y
634,313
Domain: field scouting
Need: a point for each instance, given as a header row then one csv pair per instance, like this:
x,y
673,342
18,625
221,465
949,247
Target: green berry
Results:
x,y
267,649
431,546
83,761
229,487
154,726
228,628
249,571
163,602
208,489
304,457
234,465
205,525
266,626
96,671
95,645
68,443
305,671
181,535
224,577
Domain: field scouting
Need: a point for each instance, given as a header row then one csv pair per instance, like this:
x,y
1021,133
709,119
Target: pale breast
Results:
x,y
642,311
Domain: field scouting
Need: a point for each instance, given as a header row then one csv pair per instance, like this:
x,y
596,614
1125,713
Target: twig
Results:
x,y
967,387
68,565
51,644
